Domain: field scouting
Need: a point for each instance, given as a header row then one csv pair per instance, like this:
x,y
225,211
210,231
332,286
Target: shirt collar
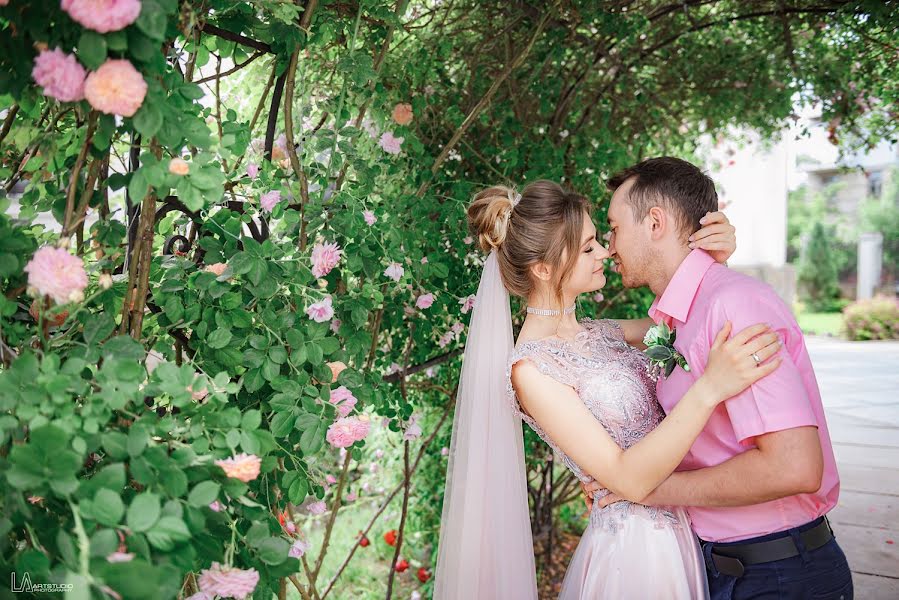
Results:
x,y
676,300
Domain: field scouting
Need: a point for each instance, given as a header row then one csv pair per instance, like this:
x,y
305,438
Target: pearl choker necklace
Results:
x,y
549,312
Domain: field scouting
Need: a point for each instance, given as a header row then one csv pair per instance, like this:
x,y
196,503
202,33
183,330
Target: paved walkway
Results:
x,y
860,387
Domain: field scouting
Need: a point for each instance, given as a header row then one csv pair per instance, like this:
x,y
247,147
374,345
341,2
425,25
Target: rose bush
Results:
x,y
238,254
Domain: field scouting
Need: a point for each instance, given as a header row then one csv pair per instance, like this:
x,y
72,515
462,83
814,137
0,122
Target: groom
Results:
x,y
761,477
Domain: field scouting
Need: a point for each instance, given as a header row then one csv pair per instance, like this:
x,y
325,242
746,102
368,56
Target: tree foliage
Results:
x,y
207,263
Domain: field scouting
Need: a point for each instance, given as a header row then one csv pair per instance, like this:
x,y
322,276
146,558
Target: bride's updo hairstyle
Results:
x,y
541,225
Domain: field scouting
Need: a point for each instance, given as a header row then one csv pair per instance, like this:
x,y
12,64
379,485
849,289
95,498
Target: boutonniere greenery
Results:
x,y
660,350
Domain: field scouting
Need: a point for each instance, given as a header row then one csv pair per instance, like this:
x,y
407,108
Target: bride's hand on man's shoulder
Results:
x,y
717,236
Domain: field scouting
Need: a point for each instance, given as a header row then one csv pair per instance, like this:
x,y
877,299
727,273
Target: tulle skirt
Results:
x,y
636,554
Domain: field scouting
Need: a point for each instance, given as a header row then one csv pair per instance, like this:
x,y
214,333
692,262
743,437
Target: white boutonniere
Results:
x,y
663,357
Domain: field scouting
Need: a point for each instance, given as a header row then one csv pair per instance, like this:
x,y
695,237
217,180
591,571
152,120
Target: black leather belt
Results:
x,y
731,560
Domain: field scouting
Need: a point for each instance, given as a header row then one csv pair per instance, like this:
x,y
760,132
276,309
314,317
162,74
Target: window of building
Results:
x,y
875,183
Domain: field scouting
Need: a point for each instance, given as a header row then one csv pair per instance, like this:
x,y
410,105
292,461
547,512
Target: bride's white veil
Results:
x,y
486,551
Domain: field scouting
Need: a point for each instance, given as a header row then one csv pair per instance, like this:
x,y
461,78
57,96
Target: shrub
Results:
x,y
874,319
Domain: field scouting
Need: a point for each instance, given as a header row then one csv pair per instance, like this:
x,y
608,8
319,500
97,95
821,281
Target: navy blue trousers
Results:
x,y
822,573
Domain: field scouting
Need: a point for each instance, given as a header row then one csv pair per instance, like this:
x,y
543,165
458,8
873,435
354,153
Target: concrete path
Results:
x,y
860,388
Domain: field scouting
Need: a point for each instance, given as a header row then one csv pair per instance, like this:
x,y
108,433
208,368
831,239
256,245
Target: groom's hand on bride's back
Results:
x,y
594,486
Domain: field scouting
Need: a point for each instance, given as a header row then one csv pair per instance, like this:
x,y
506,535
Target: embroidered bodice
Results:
x,y
612,379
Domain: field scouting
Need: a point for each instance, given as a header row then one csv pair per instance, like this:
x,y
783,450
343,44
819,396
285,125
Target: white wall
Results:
x,y
752,185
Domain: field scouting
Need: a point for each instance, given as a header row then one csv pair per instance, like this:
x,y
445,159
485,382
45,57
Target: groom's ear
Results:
x,y
659,222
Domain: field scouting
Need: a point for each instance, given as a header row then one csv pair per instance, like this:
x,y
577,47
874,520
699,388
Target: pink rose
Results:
x,y
424,301
216,506
390,143
103,15
370,218
344,400
467,303
252,170
335,325
347,431
413,429
394,271
216,268
60,74
402,114
228,582
369,126
56,273
116,88
445,339
298,549
324,258
244,467
269,200
179,166
321,311
317,508
337,367
117,557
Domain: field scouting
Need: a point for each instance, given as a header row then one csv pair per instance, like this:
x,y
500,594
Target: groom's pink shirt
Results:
x,y
701,296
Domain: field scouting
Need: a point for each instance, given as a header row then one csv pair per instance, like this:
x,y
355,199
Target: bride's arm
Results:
x,y
718,238
635,472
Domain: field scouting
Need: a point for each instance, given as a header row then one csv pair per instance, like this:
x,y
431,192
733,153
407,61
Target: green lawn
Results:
x,y
821,323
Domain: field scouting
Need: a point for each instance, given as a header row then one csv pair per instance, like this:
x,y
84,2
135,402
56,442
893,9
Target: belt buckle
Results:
x,y
728,565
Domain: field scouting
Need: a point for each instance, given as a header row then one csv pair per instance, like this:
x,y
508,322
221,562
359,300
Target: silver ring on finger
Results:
x,y
755,357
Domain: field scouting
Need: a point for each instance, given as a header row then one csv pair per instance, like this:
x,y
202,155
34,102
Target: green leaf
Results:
x,y
204,493
116,444
312,439
191,91
138,186
104,542
278,354
258,269
219,338
298,490
148,120
167,531
256,534
108,507
174,481
143,512
137,441
124,347
91,49
251,419
273,551
152,20
98,328
111,477
117,41
282,424
659,353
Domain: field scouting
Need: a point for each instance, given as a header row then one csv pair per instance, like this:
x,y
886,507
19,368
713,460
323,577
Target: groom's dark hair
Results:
x,y
670,182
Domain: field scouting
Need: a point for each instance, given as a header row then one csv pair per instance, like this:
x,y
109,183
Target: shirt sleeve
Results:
x,y
778,401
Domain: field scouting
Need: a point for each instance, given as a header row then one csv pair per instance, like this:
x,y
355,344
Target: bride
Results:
x,y
586,393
